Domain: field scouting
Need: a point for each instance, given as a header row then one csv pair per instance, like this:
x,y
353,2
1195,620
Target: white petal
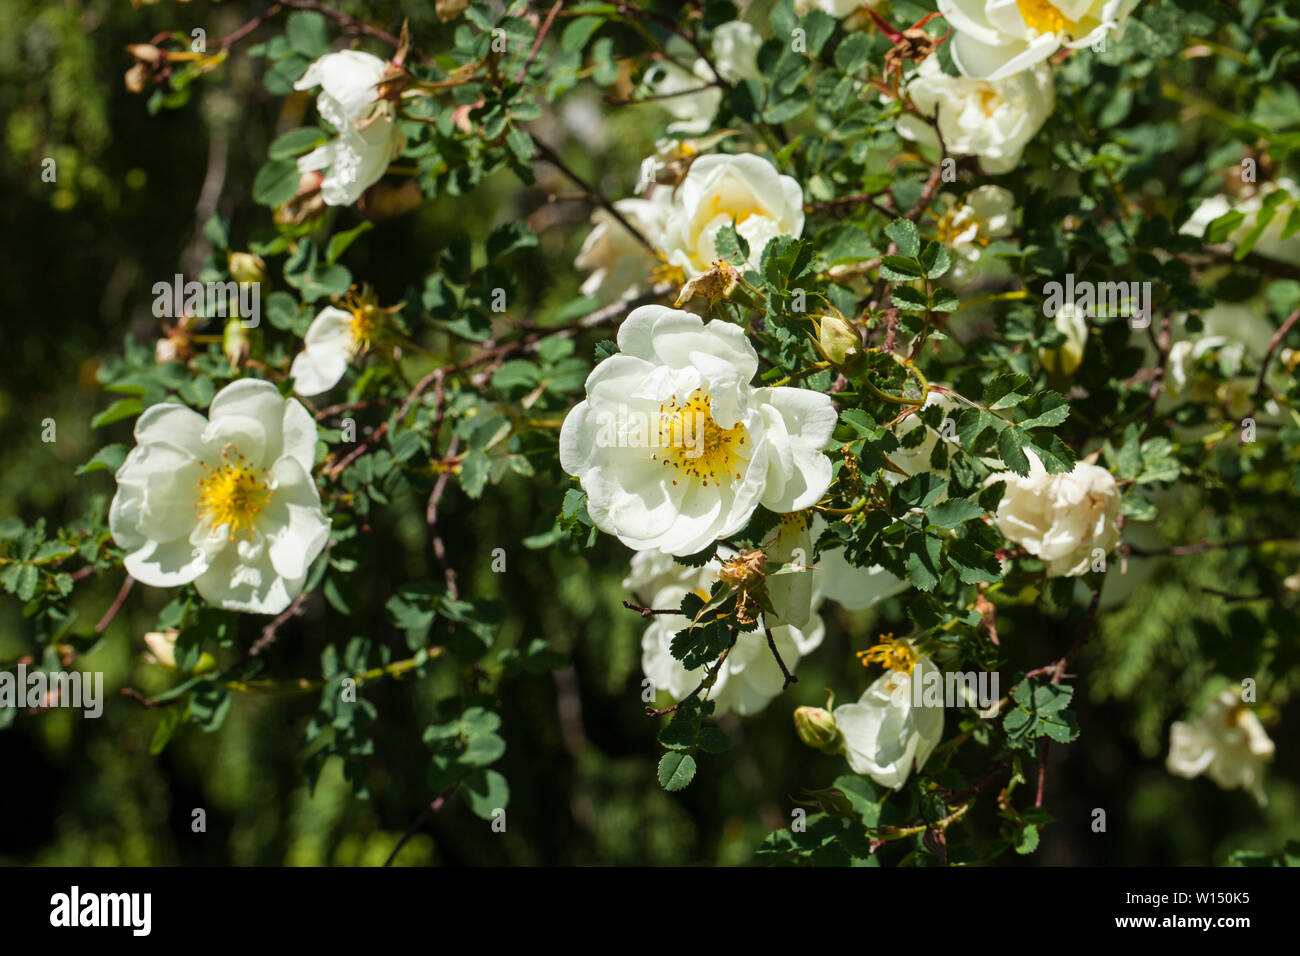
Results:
x,y
294,523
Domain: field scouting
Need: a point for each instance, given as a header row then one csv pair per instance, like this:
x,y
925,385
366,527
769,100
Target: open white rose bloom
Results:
x,y
994,39
886,735
720,189
692,96
750,676
969,225
1226,742
675,448
368,138
990,119
226,502
334,338
1063,520
620,266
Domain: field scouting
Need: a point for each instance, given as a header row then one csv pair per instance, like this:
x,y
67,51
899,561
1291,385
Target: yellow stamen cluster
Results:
x,y
1042,16
692,442
233,493
896,655
367,322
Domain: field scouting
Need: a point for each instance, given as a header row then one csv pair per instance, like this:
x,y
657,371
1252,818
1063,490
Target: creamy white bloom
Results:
x,y
1060,519
720,189
367,140
226,502
995,39
1219,364
990,119
620,266
854,589
750,676
886,735
332,341
1270,243
676,449
1226,742
913,459
968,226
1071,322
692,96
735,50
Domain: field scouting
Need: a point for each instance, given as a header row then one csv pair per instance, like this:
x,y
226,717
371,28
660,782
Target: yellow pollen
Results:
x,y
1042,16
691,441
990,100
896,655
233,494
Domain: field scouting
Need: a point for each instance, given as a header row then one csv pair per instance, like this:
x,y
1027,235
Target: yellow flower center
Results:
x,y
1042,16
233,494
364,325
895,655
692,442
990,100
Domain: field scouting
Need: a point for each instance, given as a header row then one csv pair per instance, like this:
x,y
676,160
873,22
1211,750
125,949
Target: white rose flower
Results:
x,y
967,227
915,459
750,676
994,39
1060,519
1226,742
735,50
886,735
991,119
226,502
334,338
620,266
1270,244
676,449
692,96
367,140
855,589
718,189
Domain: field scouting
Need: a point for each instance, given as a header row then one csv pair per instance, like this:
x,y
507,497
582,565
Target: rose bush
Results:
x,y
545,421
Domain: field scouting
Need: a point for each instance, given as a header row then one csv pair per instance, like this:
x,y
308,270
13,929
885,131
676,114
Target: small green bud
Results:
x,y
839,343
246,267
816,728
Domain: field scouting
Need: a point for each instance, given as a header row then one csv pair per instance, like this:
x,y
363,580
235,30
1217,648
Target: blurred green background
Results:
x,y
80,257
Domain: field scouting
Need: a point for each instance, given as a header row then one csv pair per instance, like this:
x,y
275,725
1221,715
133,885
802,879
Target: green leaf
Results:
x,y
307,34
485,792
676,770
1011,447
120,409
296,142
108,458
1220,229
339,242
276,182
950,513
905,234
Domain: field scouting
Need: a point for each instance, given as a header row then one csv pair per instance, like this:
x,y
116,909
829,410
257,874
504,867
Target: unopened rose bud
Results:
x,y
162,651
236,342
246,267
1071,322
162,647
816,728
145,52
449,10
840,343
